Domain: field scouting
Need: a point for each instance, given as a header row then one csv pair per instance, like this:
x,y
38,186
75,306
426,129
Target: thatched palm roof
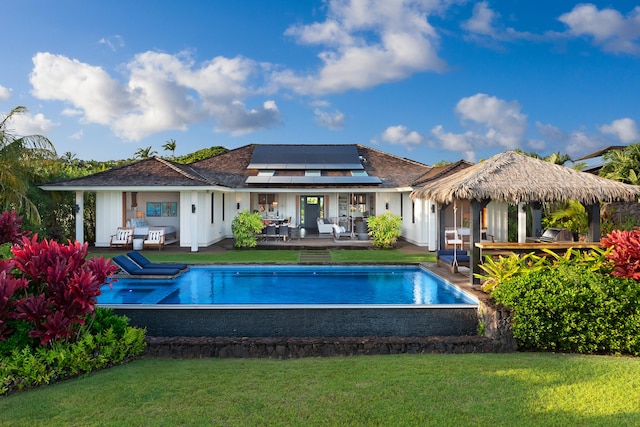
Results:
x,y
516,178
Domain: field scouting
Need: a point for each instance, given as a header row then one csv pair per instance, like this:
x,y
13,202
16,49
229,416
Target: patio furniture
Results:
x,y
143,262
324,226
283,232
452,259
452,238
271,232
122,238
340,232
133,269
155,238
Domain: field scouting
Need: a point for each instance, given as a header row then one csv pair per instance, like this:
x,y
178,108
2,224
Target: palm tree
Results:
x,y
170,146
19,156
557,158
68,157
144,153
623,165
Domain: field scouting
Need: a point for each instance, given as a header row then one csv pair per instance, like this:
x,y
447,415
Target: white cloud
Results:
x,y
86,87
366,43
580,143
483,27
401,135
77,135
112,42
626,130
489,121
505,124
161,92
481,21
608,27
333,121
238,120
5,93
551,132
27,124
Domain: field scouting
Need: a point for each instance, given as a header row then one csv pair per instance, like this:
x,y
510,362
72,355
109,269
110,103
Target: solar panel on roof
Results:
x,y
305,157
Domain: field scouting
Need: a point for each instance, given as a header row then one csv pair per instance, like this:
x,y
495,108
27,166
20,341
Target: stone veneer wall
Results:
x,y
497,338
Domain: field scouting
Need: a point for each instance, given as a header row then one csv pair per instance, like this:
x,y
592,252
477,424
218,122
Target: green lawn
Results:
x,y
278,256
524,389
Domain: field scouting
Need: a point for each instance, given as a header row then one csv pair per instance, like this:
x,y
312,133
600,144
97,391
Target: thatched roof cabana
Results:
x,y
515,178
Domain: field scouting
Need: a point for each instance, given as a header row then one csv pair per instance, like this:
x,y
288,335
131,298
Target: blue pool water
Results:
x,y
258,285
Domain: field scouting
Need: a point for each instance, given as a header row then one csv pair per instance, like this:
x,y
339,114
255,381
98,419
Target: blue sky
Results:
x,y
430,80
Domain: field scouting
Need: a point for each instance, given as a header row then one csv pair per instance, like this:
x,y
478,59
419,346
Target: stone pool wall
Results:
x,y
289,348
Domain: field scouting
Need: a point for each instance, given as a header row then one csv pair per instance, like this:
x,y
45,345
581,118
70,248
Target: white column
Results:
x,y
522,223
194,221
79,209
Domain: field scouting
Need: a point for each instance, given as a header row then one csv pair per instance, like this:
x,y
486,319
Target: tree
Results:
x,y
144,153
170,145
19,156
557,158
623,165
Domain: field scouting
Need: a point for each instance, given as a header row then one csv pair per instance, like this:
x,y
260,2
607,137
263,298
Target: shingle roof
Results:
x,y
230,169
149,172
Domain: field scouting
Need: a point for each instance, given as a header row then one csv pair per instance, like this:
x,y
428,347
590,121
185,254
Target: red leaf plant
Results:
x,y
11,228
61,286
625,253
8,287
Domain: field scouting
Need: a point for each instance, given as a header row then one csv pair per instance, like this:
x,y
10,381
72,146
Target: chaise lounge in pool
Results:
x,y
143,262
133,269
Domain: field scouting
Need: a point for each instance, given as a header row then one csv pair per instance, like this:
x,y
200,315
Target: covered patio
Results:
x,y
522,180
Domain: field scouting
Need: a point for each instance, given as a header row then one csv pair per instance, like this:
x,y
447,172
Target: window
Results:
x,y
312,173
267,202
212,208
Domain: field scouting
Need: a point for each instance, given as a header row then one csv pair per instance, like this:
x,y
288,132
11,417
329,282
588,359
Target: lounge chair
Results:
x,y
339,231
445,259
122,239
154,238
143,262
324,226
133,269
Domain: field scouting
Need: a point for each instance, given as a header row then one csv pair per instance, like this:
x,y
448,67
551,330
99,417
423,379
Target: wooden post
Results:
x,y
593,215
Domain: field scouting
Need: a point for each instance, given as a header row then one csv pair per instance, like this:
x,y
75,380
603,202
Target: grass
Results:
x,y
279,256
524,389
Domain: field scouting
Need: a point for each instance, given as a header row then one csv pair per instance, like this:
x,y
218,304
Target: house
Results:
x,y
343,184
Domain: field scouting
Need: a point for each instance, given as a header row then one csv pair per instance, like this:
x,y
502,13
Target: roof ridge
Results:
x,y
393,155
181,171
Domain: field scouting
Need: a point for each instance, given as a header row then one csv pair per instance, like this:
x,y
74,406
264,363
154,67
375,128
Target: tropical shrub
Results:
x,y
384,230
573,308
99,346
571,216
624,252
502,268
498,270
11,228
51,286
245,227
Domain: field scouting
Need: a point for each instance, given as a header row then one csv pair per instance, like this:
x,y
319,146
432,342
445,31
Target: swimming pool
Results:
x,y
260,285
322,301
